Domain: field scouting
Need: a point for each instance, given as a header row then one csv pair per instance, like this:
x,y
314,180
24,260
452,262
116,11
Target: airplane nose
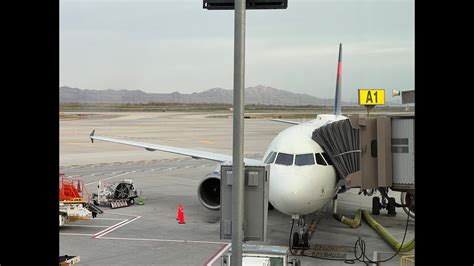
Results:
x,y
288,197
298,194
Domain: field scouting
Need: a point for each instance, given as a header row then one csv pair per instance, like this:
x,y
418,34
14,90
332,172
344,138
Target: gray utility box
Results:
x,y
256,191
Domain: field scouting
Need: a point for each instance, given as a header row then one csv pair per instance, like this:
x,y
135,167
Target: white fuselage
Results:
x,y
305,188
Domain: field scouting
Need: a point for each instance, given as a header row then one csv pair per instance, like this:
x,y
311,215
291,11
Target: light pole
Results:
x,y
238,134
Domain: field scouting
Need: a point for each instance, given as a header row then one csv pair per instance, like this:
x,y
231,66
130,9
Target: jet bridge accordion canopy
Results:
x,y
342,143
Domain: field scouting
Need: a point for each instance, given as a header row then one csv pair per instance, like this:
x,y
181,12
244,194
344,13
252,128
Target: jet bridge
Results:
x,y
372,153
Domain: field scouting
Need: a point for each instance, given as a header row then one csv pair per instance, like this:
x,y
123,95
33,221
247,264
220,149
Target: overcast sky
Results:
x,y
166,46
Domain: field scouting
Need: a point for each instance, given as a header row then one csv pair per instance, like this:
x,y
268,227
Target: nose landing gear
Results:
x,y
301,237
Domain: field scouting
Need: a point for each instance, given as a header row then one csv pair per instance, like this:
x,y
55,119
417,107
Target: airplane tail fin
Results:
x,y
337,98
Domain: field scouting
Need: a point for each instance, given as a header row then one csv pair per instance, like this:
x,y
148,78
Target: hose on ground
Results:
x,y
408,246
354,223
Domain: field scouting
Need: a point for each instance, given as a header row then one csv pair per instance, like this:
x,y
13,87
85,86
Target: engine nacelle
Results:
x,y
209,191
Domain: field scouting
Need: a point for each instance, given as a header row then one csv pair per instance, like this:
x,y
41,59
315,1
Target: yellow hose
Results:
x,y
354,223
386,235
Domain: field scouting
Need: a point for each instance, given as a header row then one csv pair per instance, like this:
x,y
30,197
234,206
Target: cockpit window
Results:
x,y
270,157
319,159
284,159
304,159
328,159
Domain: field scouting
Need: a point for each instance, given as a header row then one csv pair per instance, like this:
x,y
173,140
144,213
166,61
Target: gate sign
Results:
x,y
371,97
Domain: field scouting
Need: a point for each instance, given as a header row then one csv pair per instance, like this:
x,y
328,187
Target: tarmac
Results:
x,y
149,234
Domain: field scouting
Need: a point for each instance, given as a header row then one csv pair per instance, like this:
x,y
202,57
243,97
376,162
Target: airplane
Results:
x,y
302,176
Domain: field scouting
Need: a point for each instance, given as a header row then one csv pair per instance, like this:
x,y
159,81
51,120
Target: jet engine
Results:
x,y
209,191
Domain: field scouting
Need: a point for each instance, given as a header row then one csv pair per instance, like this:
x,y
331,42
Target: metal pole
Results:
x,y
238,133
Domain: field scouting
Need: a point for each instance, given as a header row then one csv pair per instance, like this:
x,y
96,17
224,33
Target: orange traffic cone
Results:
x,y
181,215
180,207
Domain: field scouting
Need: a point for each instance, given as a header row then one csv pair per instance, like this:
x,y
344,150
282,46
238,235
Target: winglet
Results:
x,y
91,135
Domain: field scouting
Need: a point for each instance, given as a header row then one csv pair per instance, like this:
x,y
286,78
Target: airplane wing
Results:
x,y
196,154
286,121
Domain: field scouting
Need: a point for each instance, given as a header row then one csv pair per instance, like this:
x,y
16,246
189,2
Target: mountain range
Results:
x,y
253,95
